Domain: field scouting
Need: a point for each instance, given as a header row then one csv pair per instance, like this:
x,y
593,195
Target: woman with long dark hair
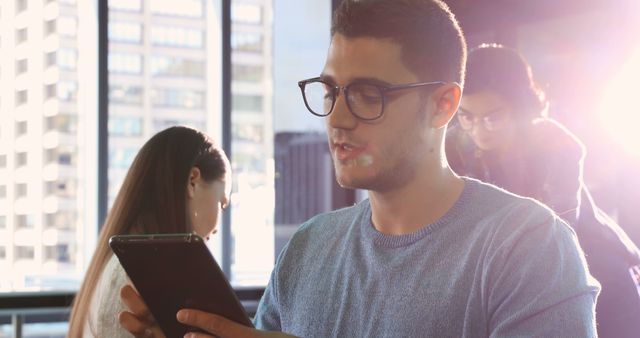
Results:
x,y
503,136
178,183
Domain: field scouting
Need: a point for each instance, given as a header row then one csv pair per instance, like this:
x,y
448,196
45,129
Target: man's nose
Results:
x,y
341,117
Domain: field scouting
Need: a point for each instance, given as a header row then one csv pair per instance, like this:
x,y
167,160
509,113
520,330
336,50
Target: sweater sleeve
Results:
x,y
538,284
268,313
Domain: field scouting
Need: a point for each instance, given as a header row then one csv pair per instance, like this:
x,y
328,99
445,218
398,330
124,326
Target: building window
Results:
x,y
62,123
25,221
21,66
122,158
248,132
3,191
21,159
246,102
24,252
177,98
126,5
67,90
125,32
162,124
62,188
21,6
49,27
3,252
246,13
59,156
61,220
125,63
21,128
177,37
49,91
21,97
59,253
247,42
247,73
21,190
169,66
66,58
3,222
3,161
126,94
21,35
125,126
49,59
188,8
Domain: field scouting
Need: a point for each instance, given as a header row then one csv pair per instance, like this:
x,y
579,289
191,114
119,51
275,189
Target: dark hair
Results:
x,y
432,43
505,71
152,199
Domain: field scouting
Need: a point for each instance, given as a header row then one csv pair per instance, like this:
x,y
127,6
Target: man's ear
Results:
x,y
447,99
194,178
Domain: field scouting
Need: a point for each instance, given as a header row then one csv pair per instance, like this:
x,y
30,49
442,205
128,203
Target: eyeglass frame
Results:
x,y
383,89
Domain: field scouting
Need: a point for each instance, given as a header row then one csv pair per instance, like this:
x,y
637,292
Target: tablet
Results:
x,y
176,271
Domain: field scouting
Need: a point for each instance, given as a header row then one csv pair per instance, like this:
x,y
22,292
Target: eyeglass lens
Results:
x,y
364,100
490,122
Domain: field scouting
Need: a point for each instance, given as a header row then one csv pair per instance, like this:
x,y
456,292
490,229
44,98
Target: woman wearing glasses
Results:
x,y
503,137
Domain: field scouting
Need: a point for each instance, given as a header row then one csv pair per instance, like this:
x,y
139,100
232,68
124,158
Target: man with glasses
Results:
x,y
429,253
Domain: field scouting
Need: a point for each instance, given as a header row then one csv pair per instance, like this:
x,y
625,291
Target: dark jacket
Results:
x,y
548,166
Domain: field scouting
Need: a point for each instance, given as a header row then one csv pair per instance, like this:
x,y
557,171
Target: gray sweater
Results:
x,y
496,265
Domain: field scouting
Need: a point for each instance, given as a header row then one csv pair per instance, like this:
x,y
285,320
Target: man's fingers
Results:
x,y
132,300
213,324
136,327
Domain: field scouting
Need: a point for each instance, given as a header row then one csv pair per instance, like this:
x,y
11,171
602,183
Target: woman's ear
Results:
x,y
447,101
194,178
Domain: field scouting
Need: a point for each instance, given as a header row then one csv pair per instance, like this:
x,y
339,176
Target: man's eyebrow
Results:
x,y
370,80
327,78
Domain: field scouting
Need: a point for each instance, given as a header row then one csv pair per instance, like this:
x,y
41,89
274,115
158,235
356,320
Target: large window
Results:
x,y
164,69
48,167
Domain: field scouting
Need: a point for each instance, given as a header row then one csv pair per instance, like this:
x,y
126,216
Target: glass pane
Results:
x,y
164,70
47,143
253,197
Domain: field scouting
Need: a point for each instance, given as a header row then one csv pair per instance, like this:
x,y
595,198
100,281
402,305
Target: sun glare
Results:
x,y
618,111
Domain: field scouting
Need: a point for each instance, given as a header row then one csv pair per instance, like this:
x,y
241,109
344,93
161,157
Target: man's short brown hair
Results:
x,y
432,43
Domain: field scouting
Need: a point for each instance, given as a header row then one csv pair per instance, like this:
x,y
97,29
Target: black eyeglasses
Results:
x,y
364,100
491,121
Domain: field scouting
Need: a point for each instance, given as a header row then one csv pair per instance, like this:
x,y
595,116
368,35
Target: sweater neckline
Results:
x,y
397,241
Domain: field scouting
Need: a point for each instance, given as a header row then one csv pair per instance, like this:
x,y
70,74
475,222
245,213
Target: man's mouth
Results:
x,y
344,151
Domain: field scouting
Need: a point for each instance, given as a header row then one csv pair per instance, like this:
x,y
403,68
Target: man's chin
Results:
x,y
349,182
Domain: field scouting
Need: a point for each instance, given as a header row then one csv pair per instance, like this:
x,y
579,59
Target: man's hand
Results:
x,y
220,326
138,320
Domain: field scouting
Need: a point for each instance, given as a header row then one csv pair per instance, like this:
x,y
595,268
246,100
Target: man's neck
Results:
x,y
418,203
